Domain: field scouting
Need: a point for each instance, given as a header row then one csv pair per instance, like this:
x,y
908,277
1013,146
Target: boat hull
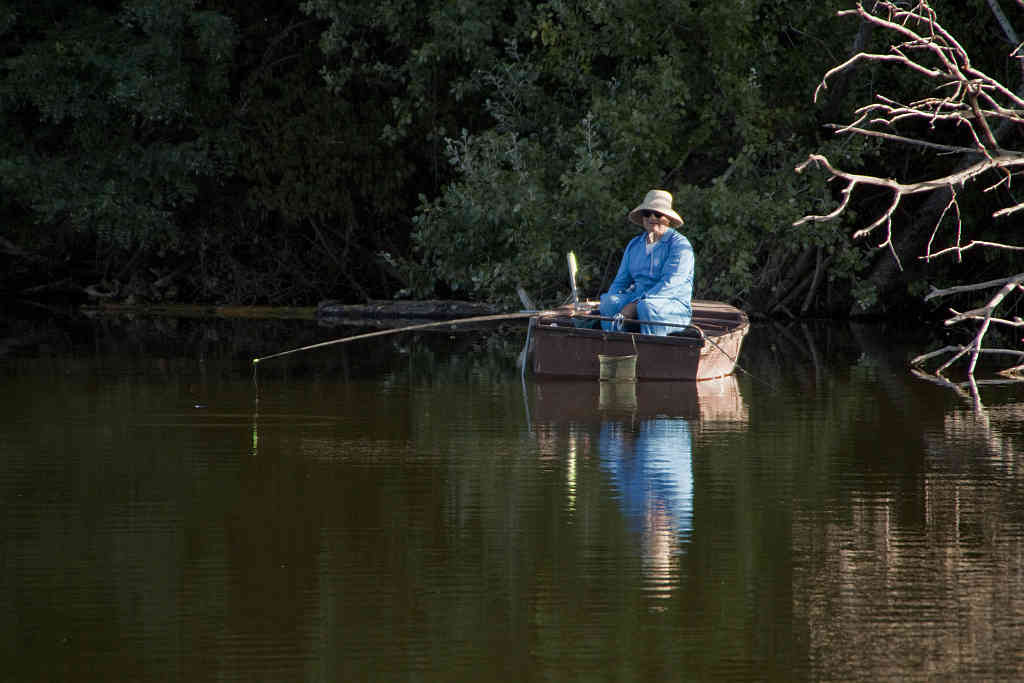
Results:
x,y
563,349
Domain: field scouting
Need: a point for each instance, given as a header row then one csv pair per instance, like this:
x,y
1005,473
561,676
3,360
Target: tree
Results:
x,y
966,115
192,151
591,104
115,127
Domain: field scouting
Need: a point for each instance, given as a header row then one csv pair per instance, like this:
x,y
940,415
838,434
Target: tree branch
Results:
x,y
960,289
971,101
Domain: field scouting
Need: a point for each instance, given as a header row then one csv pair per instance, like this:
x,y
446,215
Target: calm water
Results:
x,y
409,509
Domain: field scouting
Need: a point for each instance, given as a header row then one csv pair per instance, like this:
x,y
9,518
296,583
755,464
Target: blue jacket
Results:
x,y
666,272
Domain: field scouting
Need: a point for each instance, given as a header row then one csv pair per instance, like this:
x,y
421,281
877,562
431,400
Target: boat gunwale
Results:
x,y
726,327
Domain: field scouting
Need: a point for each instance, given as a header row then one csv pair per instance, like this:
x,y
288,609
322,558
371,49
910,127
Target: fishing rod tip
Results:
x,y
255,361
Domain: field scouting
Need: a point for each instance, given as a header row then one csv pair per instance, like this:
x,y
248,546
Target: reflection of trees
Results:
x,y
991,435
911,565
105,465
449,354
934,596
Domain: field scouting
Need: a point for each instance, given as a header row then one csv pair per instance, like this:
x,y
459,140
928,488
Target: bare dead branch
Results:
x,y
936,379
899,190
920,360
870,57
973,287
970,245
985,316
953,203
978,315
953,149
1008,210
968,100
1016,373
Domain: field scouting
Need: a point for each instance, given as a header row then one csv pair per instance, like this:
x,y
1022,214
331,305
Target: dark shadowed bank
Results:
x,y
288,153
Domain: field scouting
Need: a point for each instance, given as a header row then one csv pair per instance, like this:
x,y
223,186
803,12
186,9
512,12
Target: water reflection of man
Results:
x,y
650,465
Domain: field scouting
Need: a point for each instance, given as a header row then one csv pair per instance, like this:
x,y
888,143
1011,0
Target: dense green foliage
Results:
x,y
260,152
116,125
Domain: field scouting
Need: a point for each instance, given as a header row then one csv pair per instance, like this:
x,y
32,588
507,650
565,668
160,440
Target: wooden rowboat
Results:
x,y
566,344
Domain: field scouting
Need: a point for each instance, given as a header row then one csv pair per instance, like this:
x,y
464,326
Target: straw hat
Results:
x,y
660,201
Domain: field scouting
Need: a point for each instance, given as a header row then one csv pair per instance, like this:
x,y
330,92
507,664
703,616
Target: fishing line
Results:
x,y
754,377
734,361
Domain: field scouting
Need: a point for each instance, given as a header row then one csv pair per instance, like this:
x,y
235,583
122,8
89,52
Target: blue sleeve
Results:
x,y
623,278
676,272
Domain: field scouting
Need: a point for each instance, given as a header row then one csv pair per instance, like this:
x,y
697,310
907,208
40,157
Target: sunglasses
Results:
x,y
650,214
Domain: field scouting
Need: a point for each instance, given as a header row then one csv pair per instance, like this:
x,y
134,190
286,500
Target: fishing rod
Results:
x,y
420,326
473,319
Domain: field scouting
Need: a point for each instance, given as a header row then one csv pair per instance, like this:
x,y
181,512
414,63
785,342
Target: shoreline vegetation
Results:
x,y
326,311
375,314
259,153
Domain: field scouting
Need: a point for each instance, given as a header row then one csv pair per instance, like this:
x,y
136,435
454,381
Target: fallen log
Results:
x,y
420,310
201,311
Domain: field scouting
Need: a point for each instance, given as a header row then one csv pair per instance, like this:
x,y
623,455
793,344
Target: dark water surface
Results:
x,y
409,509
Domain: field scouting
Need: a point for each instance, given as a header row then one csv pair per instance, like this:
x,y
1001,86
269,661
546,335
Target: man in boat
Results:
x,y
655,279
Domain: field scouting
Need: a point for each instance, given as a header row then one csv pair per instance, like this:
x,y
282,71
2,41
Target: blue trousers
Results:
x,y
655,308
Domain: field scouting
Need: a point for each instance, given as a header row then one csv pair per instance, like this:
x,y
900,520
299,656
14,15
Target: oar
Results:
x,y
421,326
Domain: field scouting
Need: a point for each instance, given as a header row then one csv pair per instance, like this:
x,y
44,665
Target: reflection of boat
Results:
x,y
591,401
717,400
568,346
722,403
